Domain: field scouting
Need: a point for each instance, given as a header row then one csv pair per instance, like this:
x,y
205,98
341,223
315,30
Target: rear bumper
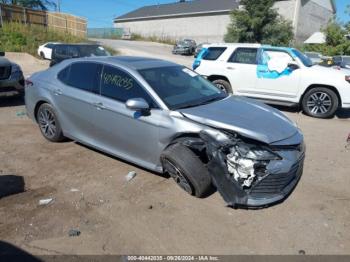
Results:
x,y
14,85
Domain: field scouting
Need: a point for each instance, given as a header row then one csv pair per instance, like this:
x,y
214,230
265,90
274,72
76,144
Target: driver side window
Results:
x,y
119,85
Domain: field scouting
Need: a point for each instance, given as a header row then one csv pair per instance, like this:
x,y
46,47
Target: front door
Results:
x,y
275,79
131,135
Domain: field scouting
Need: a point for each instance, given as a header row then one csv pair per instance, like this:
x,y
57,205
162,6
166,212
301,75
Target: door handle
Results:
x,y
57,92
230,68
99,105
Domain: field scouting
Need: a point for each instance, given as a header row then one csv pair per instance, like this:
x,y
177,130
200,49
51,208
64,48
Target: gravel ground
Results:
x,y
150,214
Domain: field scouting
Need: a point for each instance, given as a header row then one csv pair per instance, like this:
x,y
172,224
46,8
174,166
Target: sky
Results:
x,y
101,13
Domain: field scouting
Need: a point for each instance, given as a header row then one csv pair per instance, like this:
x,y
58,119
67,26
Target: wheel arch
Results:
x,y
193,141
334,89
36,108
212,78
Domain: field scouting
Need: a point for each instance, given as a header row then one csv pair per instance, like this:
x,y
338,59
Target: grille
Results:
x,y
275,183
5,72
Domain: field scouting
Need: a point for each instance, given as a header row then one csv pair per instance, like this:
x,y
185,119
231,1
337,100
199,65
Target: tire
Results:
x,y
42,55
223,85
187,170
48,123
320,102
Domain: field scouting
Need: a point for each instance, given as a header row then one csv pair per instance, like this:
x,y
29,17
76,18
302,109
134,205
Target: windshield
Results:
x,y
184,43
312,55
180,87
303,58
92,50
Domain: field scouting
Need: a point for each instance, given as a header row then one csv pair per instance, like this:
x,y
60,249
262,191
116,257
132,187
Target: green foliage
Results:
x,y
336,42
33,4
258,22
163,40
15,37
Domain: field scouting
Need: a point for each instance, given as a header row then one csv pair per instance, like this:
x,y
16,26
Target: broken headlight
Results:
x,y
256,153
244,159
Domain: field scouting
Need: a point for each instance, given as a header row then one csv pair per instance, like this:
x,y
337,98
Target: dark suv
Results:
x,y
62,52
11,77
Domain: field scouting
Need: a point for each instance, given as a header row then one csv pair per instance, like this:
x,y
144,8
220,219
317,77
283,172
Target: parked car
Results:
x,y
166,118
199,48
275,75
342,61
315,57
45,50
11,77
185,47
62,52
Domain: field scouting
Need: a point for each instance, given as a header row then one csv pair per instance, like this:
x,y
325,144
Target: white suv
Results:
x,y
276,75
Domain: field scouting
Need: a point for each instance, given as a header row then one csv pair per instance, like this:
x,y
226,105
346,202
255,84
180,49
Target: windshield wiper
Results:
x,y
203,103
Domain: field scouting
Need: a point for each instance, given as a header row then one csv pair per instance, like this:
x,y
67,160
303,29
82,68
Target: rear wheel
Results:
x,y
320,102
187,170
223,85
48,123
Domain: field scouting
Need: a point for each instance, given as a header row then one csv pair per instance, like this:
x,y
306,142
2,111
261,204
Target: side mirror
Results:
x,y
137,104
2,53
293,66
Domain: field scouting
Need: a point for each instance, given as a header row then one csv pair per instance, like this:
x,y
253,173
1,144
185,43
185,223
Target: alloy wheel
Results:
x,y
178,176
221,87
319,103
47,123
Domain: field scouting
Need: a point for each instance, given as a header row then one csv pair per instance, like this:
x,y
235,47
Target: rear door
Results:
x,y
75,99
240,69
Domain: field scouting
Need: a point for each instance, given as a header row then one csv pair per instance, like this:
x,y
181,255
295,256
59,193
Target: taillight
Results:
x,y
28,83
347,79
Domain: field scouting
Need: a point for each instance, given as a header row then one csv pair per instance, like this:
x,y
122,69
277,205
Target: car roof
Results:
x,y
77,44
234,45
132,62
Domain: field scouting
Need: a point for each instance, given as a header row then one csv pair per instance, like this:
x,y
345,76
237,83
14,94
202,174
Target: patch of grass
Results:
x,y
17,37
163,40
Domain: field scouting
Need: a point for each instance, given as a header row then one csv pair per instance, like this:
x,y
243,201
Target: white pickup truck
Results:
x,y
276,75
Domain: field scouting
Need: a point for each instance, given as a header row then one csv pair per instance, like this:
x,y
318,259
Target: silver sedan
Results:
x,y
166,118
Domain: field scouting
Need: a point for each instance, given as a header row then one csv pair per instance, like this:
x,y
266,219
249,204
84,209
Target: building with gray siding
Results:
x,y
207,20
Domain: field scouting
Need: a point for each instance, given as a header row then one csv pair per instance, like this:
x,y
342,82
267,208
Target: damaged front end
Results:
x,y
252,174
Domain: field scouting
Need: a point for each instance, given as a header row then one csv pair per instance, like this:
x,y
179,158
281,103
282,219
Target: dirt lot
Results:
x,y
150,214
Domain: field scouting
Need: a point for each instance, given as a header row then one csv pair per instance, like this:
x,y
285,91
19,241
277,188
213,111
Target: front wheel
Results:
x,y
320,102
187,170
48,123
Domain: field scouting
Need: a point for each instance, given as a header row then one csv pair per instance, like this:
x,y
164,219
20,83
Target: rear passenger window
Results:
x,y
118,85
244,56
84,76
63,75
213,53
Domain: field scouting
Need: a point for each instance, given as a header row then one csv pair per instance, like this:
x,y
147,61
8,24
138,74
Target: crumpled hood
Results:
x,y
4,62
245,116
